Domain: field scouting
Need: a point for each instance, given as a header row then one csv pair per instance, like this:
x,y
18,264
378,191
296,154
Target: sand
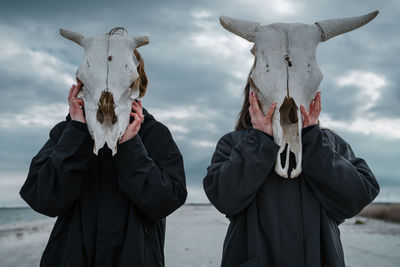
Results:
x,y
195,235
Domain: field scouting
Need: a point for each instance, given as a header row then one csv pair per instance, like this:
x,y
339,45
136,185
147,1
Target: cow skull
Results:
x,y
109,76
286,71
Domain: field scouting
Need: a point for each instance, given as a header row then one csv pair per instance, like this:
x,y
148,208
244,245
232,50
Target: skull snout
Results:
x,y
290,140
106,109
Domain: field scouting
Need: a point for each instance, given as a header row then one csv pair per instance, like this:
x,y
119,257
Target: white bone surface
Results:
x,y
285,65
98,73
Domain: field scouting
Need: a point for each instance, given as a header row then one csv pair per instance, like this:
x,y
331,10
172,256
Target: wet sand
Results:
x,y
195,235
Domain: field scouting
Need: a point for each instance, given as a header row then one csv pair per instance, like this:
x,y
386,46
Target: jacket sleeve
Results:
x,y
57,172
342,183
238,170
151,172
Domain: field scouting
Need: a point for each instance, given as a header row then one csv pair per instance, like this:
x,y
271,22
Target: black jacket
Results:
x,y
282,222
111,210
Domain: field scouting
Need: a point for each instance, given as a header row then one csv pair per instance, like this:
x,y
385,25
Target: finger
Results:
x,y
270,112
312,105
79,84
77,88
140,113
319,102
132,126
311,111
304,112
136,107
75,91
255,105
251,98
141,116
251,111
70,92
253,114
80,101
136,121
316,106
77,103
137,110
136,117
76,98
134,103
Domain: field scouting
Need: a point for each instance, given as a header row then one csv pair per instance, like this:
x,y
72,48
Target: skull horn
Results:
x,y
140,41
73,36
333,27
243,28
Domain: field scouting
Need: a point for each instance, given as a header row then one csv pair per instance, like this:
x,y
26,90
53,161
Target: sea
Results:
x,y
19,214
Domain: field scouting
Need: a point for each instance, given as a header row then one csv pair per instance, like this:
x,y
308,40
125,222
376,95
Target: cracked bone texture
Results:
x,y
285,67
333,27
109,65
243,28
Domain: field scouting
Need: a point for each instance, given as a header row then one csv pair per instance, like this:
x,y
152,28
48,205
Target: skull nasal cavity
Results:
x,y
105,111
288,111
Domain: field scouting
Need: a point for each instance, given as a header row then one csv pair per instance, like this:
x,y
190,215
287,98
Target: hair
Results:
x,y
142,81
244,119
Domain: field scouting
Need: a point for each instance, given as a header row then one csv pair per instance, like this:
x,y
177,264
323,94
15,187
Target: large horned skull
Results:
x,y
286,71
110,78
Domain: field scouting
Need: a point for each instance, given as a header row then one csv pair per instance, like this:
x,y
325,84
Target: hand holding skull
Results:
x,y
134,127
75,103
312,116
258,119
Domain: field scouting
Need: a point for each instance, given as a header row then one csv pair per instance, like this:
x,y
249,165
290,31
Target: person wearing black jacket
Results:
x,y
282,222
110,210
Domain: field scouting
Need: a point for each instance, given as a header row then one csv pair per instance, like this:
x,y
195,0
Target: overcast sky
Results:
x,y
197,72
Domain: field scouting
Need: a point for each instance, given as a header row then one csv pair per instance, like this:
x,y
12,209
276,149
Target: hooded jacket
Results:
x,y
110,210
282,222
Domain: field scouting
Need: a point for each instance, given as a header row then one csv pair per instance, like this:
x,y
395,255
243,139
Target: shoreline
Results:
x,y
386,211
204,204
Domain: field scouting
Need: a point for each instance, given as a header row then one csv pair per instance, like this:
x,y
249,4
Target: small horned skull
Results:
x,y
110,78
286,71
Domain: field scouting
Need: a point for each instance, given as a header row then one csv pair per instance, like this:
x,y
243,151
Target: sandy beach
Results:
x,y
195,235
